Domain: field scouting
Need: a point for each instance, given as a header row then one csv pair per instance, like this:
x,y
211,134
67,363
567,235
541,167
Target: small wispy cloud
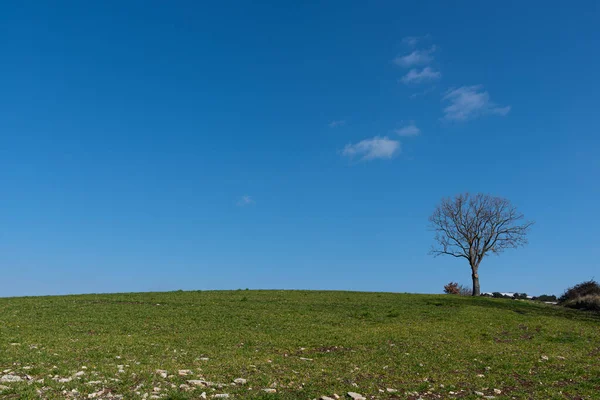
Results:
x,y
423,93
417,57
412,41
427,74
468,102
337,123
245,200
408,130
371,149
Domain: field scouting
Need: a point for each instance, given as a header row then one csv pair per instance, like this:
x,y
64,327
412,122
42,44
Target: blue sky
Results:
x,y
184,145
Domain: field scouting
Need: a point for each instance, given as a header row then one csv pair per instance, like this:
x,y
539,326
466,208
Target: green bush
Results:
x,y
545,297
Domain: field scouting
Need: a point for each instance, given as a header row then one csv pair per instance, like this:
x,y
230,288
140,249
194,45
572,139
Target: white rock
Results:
x,y
80,373
11,378
240,381
95,394
497,391
479,393
326,398
184,372
356,396
64,380
2,387
221,396
162,373
390,390
199,382
270,390
203,395
204,358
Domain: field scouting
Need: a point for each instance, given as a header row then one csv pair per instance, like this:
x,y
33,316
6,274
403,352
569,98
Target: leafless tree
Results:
x,y
471,226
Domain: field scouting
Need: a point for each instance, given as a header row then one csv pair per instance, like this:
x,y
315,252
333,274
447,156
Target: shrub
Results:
x,y
455,288
452,288
590,302
465,291
583,289
520,296
497,295
545,297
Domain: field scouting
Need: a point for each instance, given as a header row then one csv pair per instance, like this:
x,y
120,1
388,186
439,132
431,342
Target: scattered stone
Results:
x,y
11,378
356,396
336,396
326,398
221,396
479,393
480,375
203,395
204,358
98,383
270,390
184,372
95,394
185,387
497,391
390,390
199,382
162,373
64,380
240,381
306,359
545,358
2,387
80,373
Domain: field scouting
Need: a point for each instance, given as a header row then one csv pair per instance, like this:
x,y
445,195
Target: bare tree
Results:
x,y
471,226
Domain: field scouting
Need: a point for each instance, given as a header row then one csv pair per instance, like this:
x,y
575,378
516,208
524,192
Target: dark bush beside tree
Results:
x,y
455,288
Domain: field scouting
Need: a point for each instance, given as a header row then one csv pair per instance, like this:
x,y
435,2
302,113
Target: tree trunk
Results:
x,y
476,289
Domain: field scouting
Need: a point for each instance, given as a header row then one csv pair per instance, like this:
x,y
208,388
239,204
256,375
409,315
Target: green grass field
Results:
x,y
302,344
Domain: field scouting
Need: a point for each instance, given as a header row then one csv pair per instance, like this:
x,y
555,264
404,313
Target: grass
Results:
x,y
303,344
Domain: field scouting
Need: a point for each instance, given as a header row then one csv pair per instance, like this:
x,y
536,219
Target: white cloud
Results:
x,y
408,130
245,200
469,102
416,76
370,149
337,123
423,93
417,57
411,40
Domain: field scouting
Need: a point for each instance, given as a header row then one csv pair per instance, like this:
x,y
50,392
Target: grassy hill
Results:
x,y
302,344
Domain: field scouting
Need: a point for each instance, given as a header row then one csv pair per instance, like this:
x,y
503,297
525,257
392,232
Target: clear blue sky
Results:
x,y
181,145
